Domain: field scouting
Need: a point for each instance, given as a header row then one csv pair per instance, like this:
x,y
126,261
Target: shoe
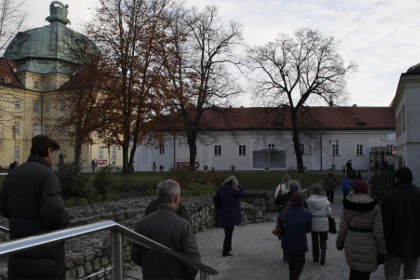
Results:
x,y
227,255
322,262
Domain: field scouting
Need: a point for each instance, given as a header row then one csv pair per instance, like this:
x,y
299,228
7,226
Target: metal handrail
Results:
x,y
117,233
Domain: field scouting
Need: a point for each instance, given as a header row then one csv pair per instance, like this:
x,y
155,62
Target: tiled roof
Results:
x,y
7,73
325,118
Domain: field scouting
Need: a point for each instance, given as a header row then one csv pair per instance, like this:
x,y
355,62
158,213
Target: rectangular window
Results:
x,y
17,104
161,149
114,152
62,106
36,84
271,146
17,151
36,106
36,129
389,149
217,150
403,118
242,150
359,149
335,149
17,127
302,148
47,85
47,107
46,128
101,152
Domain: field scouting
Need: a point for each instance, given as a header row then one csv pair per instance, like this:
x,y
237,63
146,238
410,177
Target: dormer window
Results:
x,y
6,80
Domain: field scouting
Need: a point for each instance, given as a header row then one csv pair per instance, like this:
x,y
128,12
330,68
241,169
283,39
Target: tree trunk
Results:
x,y
296,142
192,139
77,153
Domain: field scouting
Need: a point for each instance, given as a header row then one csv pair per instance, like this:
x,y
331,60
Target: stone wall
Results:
x,y
91,253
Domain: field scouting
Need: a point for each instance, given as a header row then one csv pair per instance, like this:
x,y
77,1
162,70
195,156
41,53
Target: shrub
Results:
x,y
72,180
380,183
102,183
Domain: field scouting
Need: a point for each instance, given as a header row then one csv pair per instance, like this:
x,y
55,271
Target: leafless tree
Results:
x,y
295,72
12,18
196,59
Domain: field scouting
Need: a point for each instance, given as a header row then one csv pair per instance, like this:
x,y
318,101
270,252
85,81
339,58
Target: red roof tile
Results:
x,y
325,118
7,73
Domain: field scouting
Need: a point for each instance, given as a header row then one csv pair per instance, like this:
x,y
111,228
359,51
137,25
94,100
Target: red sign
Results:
x,y
101,161
181,164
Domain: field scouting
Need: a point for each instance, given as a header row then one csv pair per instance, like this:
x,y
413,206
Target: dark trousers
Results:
x,y
296,264
330,195
345,193
358,275
227,243
319,241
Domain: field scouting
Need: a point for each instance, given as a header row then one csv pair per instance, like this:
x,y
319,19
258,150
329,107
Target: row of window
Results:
x,y
400,121
113,152
335,149
47,85
36,106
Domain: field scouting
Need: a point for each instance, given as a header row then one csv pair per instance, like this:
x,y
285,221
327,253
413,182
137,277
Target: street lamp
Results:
x,y
333,152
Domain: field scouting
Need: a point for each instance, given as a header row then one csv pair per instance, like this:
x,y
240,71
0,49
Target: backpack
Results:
x,y
216,201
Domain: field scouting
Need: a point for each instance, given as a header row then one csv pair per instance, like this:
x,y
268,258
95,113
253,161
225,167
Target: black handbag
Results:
x,y
331,223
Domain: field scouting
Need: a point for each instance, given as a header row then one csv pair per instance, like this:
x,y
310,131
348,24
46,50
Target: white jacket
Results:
x,y
320,210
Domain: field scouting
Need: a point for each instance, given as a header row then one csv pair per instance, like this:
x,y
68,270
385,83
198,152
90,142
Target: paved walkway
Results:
x,y
257,254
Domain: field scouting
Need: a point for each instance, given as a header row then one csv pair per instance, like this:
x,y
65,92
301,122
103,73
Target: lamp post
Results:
x,y
333,153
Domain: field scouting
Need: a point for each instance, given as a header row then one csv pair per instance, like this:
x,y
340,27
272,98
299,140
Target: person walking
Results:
x,y
167,228
230,212
360,233
330,182
296,224
401,219
320,209
31,200
283,199
346,185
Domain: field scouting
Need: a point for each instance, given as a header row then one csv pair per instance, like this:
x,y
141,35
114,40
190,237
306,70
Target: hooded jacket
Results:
x,y
361,248
31,200
319,206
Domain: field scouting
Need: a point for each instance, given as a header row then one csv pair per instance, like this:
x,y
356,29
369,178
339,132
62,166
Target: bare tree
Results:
x,y
196,59
12,18
292,72
128,33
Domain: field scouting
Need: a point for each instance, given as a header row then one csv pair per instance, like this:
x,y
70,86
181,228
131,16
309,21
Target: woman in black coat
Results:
x,y
230,212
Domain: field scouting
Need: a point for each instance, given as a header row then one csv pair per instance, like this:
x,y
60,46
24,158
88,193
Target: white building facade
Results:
x,y
407,115
272,149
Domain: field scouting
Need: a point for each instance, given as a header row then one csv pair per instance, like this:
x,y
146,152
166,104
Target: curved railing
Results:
x,y
117,233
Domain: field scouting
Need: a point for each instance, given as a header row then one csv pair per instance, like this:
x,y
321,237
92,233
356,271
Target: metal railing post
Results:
x,y
204,275
117,256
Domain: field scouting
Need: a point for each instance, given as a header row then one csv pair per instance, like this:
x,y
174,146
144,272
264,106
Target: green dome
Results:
x,y
52,48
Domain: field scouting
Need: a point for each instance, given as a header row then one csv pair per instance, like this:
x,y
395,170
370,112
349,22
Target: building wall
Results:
x,y
259,145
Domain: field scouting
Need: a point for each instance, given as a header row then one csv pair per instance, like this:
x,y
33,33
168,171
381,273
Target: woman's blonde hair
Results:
x,y
286,180
232,181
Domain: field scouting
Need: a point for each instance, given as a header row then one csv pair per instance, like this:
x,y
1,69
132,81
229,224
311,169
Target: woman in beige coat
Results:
x,y
360,233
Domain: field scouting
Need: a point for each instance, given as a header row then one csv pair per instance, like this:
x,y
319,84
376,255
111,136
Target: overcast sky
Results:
x,y
381,36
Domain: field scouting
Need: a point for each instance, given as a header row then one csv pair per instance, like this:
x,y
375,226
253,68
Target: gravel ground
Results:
x,y
257,255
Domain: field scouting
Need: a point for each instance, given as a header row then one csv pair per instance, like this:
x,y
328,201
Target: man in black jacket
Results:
x,y
31,200
401,219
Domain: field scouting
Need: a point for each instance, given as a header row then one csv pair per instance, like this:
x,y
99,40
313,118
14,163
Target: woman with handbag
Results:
x,y
360,233
297,222
230,211
319,206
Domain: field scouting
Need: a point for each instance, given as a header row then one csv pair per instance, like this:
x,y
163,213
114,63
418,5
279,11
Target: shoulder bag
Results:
x,y
278,230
